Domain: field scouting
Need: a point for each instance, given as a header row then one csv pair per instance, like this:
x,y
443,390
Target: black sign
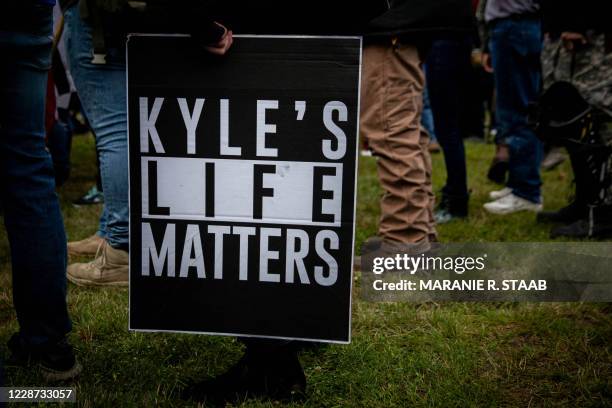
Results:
x,y
242,186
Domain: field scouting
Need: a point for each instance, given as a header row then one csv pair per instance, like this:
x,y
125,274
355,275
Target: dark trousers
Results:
x,y
31,208
448,66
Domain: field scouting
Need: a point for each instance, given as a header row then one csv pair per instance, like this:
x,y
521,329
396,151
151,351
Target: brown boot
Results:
x,y
109,268
85,247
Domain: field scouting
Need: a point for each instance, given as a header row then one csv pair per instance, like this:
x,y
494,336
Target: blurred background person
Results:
x,y
27,189
391,108
427,122
576,111
448,65
514,49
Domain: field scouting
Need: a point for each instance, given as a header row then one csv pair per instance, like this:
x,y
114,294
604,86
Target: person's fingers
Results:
x,y
221,47
570,40
230,38
214,50
486,63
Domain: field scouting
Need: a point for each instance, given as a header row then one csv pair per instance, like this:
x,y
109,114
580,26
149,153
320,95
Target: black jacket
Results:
x,y
570,15
434,17
374,18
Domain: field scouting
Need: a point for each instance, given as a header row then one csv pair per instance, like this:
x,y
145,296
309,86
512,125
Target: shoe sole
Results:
x,y
511,211
53,375
87,282
75,253
79,205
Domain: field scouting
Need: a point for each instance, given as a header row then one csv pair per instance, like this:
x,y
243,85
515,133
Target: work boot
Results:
x,y
573,212
434,147
277,376
598,224
370,244
85,247
377,247
55,359
109,268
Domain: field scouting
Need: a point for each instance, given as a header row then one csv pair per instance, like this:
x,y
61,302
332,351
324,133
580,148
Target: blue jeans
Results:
x,y
427,120
27,186
447,67
515,49
103,97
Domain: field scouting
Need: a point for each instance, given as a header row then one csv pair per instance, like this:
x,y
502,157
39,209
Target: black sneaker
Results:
x,y
93,196
56,360
451,208
279,378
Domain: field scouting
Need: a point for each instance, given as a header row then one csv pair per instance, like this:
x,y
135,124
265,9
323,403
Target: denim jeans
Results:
x,y
27,186
447,68
427,120
515,49
103,97
102,224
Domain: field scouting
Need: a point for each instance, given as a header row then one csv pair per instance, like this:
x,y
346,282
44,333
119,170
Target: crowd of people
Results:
x,y
542,69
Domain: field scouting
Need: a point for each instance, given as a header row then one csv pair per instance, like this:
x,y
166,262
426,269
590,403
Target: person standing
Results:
x,y
396,35
32,213
515,45
577,76
448,70
391,106
96,32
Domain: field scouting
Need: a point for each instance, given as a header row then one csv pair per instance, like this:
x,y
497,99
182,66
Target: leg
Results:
x,y
31,209
515,47
447,68
392,86
269,368
97,83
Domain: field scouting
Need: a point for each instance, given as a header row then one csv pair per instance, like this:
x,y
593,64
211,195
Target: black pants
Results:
x,y
448,66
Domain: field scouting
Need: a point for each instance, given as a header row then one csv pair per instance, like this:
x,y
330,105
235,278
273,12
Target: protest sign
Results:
x,y
242,185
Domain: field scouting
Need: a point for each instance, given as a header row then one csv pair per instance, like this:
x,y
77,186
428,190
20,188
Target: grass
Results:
x,y
402,354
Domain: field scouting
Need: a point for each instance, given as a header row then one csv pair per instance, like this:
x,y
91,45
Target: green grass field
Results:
x,y
402,354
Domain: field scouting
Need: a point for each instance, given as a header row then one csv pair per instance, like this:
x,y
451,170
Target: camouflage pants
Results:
x,y
589,69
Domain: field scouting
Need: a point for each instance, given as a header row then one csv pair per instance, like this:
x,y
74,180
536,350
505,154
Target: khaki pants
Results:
x,y
391,105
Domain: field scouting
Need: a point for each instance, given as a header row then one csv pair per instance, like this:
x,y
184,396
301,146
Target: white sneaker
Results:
x,y
497,194
510,204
